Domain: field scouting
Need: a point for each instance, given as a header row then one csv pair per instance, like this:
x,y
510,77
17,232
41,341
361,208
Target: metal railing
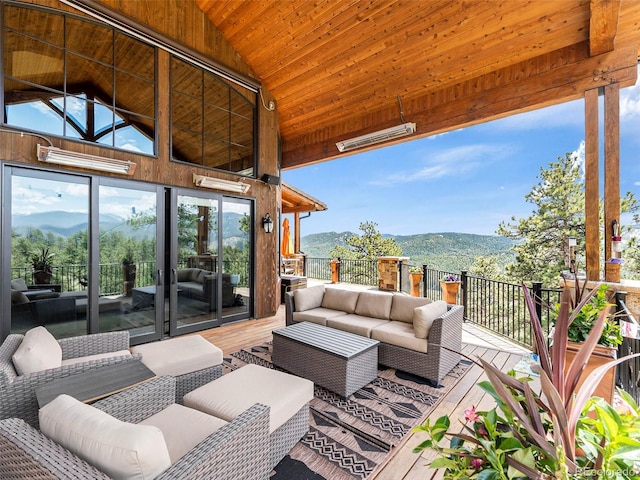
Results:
x,y
628,373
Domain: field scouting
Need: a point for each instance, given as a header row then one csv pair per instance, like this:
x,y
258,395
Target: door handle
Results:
x,y
174,276
160,278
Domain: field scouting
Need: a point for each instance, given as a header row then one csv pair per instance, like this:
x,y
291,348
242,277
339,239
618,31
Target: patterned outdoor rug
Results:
x,y
348,438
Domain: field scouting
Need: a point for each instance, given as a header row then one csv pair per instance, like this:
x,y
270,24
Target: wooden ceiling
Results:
x,y
335,68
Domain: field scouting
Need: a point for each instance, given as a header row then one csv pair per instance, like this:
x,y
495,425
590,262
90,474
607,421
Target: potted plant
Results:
x,y
128,273
335,270
546,435
42,266
450,286
415,274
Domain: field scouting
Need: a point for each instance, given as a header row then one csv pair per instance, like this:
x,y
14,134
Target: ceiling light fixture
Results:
x,y
377,137
219,184
82,160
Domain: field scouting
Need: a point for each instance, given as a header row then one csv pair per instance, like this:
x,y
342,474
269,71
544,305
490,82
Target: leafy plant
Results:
x,y
41,262
547,435
415,269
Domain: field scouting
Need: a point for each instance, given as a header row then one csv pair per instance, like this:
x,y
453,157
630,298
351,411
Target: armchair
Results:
x,y
238,450
17,394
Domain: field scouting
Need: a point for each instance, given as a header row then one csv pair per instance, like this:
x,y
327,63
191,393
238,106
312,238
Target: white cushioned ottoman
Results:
x,y
192,360
286,395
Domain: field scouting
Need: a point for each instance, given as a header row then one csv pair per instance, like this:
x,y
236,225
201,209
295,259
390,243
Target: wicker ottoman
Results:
x,y
192,360
287,397
339,361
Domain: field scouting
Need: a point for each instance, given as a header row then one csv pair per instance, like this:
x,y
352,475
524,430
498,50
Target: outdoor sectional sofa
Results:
x,y
202,285
412,330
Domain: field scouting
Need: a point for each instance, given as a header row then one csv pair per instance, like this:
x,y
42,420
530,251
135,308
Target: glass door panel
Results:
x,y
49,273
130,286
236,259
195,260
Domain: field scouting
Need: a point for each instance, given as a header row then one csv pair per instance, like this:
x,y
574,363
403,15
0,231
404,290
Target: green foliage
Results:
x,y
368,246
42,261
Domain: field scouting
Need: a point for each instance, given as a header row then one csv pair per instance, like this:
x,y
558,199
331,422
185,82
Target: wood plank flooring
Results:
x,y
402,464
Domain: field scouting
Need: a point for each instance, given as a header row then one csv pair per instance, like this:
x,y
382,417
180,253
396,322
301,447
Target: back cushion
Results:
x,y
38,351
376,305
423,317
184,274
201,275
19,284
308,298
338,299
402,307
119,449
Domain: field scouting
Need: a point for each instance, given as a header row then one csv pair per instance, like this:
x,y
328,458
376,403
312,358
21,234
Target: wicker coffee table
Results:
x,y
339,361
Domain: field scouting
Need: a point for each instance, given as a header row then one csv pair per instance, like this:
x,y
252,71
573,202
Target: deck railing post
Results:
x,y
463,294
537,298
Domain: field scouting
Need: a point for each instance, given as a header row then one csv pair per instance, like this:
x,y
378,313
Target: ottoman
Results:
x,y
287,397
192,360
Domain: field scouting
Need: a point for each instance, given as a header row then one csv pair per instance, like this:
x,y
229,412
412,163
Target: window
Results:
x,y
213,121
73,77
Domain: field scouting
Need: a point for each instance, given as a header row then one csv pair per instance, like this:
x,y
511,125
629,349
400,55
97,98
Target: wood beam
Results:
x,y
592,186
470,105
611,174
603,26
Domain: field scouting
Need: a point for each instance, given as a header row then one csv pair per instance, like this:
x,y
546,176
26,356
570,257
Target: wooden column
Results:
x,y
592,186
296,230
611,174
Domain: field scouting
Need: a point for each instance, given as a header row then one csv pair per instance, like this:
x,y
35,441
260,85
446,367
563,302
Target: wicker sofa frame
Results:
x,y
444,343
17,392
235,452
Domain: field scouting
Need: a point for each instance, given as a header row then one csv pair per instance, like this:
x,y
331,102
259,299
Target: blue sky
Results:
x,y
467,180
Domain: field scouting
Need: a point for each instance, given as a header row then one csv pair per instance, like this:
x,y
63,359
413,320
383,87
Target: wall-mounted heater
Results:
x,y
219,184
377,137
82,160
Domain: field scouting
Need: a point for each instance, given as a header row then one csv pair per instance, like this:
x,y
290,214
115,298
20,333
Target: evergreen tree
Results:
x,y
368,246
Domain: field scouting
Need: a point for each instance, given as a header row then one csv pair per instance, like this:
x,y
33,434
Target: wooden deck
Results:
x,y
403,464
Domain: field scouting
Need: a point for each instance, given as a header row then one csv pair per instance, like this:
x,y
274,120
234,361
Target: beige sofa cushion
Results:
x,y
183,428
308,298
233,393
316,315
19,284
339,299
355,324
403,306
179,355
424,316
376,305
399,334
119,449
38,351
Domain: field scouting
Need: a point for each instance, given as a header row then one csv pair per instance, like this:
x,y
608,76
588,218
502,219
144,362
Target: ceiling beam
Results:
x,y
603,26
472,103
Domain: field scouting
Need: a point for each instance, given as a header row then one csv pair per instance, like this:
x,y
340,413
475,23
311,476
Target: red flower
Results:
x,y
470,414
476,463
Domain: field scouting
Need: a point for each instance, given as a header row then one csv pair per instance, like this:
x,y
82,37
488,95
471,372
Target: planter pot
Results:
x,y
335,272
450,291
416,280
600,356
41,277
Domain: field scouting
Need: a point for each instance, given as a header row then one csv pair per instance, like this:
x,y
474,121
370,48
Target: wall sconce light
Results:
x,y
219,184
267,223
82,160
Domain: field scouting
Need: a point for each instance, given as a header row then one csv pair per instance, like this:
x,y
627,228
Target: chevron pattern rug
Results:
x,y
349,438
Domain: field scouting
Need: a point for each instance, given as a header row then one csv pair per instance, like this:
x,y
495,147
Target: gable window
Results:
x,y
212,120
73,77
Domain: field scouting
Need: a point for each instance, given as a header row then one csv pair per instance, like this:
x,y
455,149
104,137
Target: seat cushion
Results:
x,y
374,304
119,449
399,334
180,355
183,428
424,316
97,356
403,305
339,299
38,351
308,298
233,393
316,315
355,324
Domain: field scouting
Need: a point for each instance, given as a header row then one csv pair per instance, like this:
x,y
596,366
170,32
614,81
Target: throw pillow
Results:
x,y
119,449
424,316
19,284
38,351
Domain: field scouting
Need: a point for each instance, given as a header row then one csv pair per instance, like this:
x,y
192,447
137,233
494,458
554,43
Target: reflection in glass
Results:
x,y
236,257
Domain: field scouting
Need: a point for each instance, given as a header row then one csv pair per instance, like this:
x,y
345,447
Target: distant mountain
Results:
x,y
447,251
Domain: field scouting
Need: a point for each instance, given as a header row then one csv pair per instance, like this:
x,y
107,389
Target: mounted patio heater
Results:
x,y
377,137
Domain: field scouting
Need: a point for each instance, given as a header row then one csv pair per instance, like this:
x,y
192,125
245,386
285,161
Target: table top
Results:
x,y
96,384
331,340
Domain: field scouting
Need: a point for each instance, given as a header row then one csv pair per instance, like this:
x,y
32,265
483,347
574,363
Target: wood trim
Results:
x,y
603,25
611,174
592,185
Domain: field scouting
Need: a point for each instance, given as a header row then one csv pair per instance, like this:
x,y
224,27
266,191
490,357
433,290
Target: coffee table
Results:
x,y
339,361
95,384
